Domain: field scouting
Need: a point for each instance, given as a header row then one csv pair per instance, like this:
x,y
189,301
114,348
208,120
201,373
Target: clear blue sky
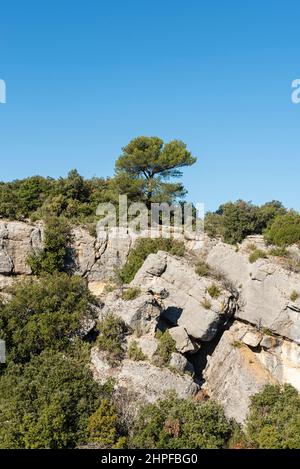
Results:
x,y
84,77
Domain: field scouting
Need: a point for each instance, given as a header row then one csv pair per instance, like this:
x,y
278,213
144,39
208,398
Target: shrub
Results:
x,y
285,230
102,427
46,403
166,346
44,313
294,296
131,293
141,251
234,221
214,291
257,254
273,421
111,338
206,303
174,423
135,352
202,269
279,252
54,255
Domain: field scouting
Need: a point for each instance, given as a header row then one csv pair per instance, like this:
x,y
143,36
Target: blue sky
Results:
x,y
84,77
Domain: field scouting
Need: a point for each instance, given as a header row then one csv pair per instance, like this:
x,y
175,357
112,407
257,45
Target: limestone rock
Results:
x,y
140,314
265,291
149,382
234,373
252,338
188,303
183,342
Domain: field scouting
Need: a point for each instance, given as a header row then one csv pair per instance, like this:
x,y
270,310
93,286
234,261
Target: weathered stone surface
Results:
x,y
148,344
265,290
183,342
252,338
140,314
188,303
17,241
234,373
148,381
85,251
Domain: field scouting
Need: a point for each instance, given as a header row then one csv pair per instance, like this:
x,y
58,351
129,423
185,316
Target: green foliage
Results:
x,y
202,269
257,254
142,249
166,346
54,255
214,291
234,221
294,296
146,166
131,293
175,423
285,230
46,403
273,421
36,197
102,426
206,303
135,352
279,252
111,338
43,313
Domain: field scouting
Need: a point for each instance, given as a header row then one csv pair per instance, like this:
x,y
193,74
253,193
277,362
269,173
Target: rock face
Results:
x,y
243,362
188,303
140,315
147,381
17,241
265,291
234,373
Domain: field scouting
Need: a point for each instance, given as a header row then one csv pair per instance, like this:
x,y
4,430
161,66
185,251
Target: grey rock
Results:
x,y
140,314
188,303
183,342
149,382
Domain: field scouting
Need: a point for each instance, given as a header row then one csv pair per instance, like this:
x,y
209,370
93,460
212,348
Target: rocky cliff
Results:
x,y
235,329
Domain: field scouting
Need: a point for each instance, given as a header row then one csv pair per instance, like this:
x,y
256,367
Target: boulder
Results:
x,y
188,303
183,342
147,381
140,315
252,338
265,290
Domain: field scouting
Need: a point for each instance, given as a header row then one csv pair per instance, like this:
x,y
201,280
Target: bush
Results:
x,y
46,403
202,269
234,221
174,423
166,346
273,421
131,294
294,296
206,303
214,291
44,313
111,338
285,230
257,254
279,252
141,251
135,352
54,255
102,427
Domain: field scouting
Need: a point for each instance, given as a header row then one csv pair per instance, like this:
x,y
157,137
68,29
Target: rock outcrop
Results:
x,y
266,289
188,302
147,381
